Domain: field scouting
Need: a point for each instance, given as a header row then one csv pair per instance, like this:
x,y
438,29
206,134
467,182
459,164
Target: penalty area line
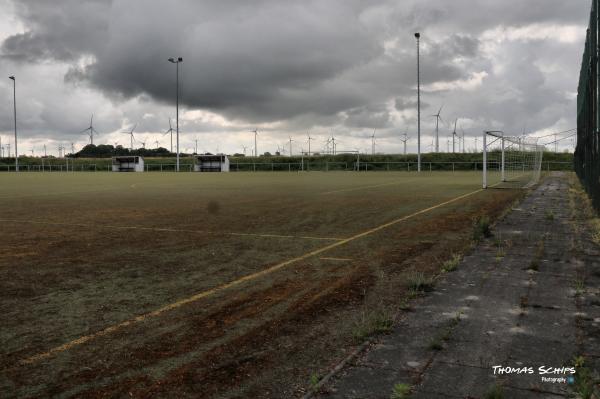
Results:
x,y
234,283
170,230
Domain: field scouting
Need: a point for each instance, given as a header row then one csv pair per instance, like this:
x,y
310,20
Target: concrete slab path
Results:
x,y
527,297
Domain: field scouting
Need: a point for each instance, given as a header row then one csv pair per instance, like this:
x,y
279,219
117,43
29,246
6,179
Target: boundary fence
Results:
x,y
587,152
407,166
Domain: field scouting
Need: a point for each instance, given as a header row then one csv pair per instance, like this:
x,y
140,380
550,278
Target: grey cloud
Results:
x,y
304,64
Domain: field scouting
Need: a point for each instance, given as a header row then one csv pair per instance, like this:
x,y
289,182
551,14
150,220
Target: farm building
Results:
x,y
128,164
211,163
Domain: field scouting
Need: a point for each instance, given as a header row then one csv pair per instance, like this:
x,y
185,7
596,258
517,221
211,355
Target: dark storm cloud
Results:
x,y
62,30
310,62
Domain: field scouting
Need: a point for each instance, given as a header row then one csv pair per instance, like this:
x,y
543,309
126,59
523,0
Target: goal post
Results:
x,y
511,161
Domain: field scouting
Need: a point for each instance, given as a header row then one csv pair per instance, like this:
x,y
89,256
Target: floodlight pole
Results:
x,y
484,160
502,174
418,36
177,62
15,117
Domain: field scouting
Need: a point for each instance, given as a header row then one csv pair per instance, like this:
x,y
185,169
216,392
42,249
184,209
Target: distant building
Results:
x,y
211,163
128,164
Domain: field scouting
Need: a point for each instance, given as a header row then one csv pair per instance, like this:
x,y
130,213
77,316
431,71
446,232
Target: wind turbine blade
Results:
x,y
84,130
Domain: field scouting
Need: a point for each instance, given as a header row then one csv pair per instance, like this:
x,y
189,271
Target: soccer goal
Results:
x,y
510,160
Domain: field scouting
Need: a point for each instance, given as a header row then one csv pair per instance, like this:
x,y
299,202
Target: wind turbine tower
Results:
x,y
255,131
373,143
130,133
90,130
437,132
309,139
171,130
291,145
454,136
405,139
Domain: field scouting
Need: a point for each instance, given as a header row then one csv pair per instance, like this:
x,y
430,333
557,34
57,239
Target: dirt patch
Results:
x,y
263,339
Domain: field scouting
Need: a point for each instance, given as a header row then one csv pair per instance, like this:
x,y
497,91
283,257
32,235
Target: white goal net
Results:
x,y
510,161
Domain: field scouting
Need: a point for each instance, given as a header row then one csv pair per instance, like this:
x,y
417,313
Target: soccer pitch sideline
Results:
x,y
213,285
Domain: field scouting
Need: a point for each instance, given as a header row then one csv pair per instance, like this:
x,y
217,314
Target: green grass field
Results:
x,y
211,285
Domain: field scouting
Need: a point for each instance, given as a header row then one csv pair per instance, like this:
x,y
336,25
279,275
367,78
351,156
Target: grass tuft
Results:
x,y
495,392
481,229
314,380
417,281
451,264
585,382
371,322
400,391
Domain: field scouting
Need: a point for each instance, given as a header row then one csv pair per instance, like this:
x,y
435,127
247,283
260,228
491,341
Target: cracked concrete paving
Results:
x,y
512,302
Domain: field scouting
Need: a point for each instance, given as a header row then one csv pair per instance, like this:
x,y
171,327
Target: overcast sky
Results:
x,y
286,68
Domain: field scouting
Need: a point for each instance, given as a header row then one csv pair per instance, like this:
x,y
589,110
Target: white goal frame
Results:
x,y
524,145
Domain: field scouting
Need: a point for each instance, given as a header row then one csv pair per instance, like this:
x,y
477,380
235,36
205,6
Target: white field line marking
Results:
x,y
167,229
58,193
362,187
234,283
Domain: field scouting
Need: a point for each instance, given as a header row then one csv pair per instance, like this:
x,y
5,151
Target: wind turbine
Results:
x,y
45,153
454,135
90,130
327,145
437,135
309,139
373,143
255,131
143,143
130,133
171,130
405,139
291,145
156,142
333,144
244,147
463,139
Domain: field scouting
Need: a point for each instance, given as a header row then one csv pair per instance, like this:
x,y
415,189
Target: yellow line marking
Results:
x,y
166,229
250,277
338,259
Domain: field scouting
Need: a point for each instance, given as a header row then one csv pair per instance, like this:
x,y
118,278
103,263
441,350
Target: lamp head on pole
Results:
x,y
417,35
11,77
